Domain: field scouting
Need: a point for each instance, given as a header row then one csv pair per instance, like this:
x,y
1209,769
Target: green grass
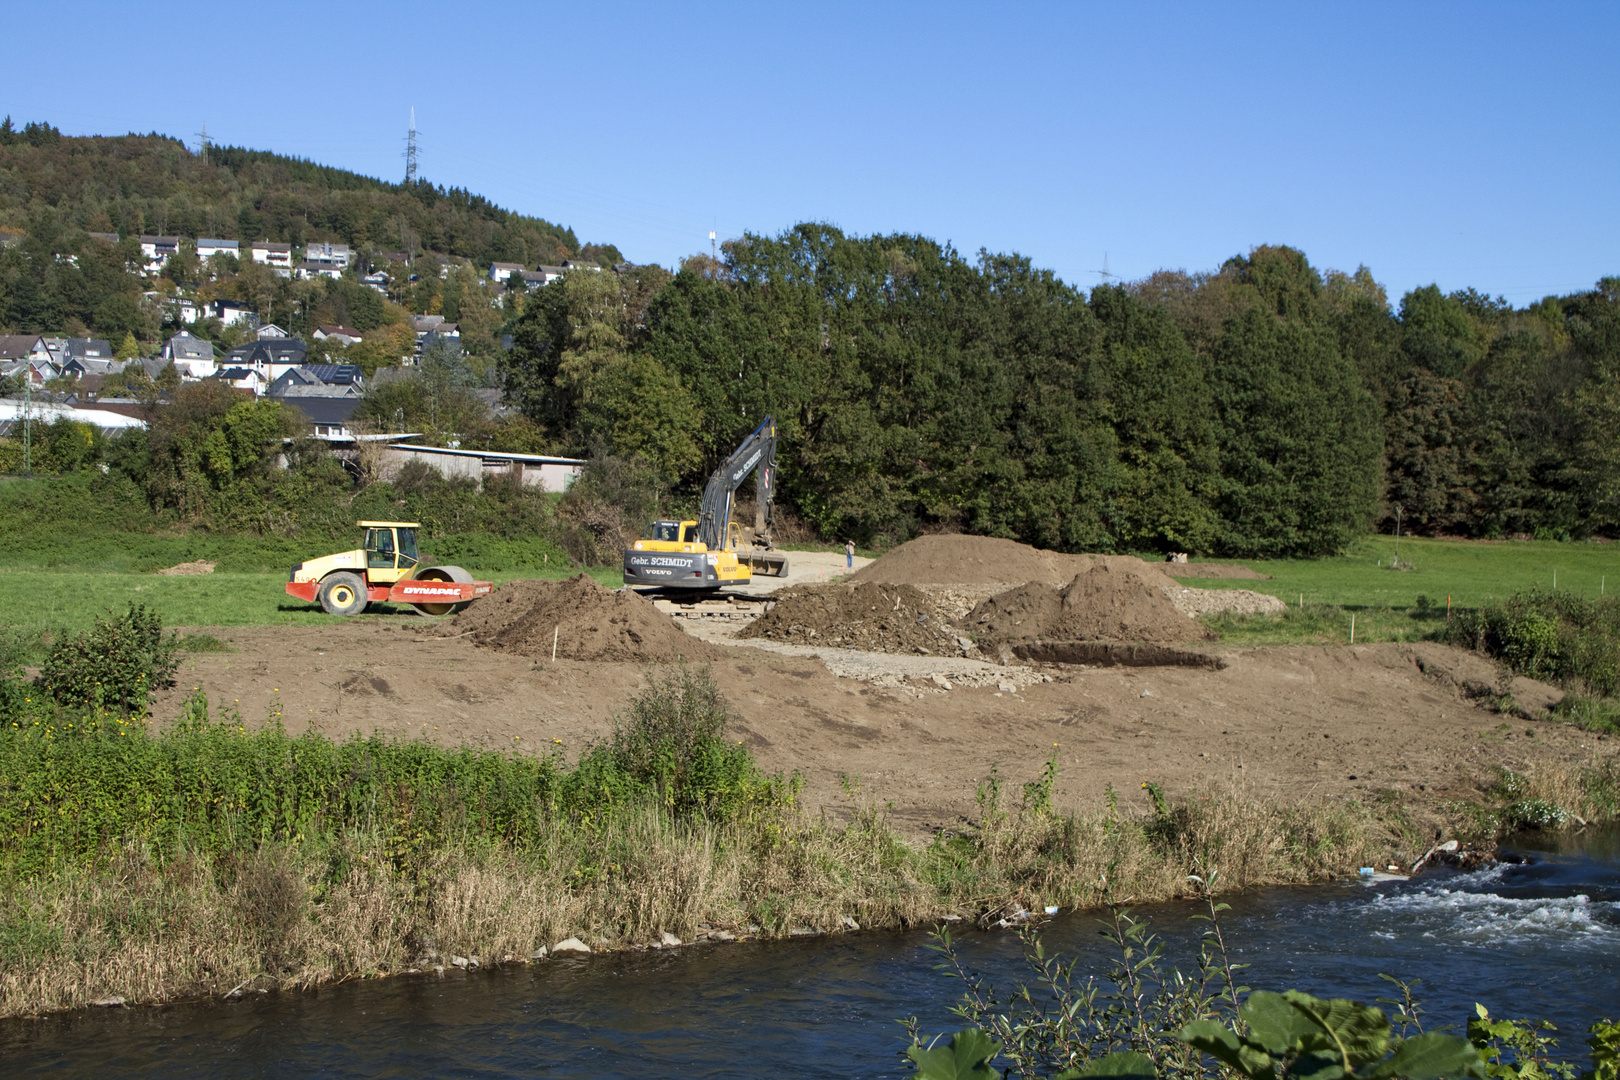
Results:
x,y
1386,602
34,602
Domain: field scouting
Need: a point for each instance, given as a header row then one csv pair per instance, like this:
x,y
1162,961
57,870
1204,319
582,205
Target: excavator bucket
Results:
x,y
768,563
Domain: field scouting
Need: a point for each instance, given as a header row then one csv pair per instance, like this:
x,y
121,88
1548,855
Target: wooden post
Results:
x,y
554,632
1352,629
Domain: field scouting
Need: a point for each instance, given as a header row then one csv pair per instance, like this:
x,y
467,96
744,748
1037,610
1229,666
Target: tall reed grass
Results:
x,y
205,857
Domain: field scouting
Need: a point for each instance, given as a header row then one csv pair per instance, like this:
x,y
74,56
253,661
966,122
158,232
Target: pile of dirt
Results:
x,y
187,569
869,615
1110,601
1213,570
587,622
970,560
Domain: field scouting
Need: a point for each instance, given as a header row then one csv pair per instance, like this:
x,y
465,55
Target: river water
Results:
x,y
1540,939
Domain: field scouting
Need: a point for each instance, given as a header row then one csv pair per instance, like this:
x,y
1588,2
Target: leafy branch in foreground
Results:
x,y
1143,1023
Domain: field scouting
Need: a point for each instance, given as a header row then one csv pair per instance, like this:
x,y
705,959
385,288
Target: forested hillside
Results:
x,y
56,189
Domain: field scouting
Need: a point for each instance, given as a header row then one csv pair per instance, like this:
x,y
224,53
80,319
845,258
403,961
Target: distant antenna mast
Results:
x,y
714,251
1103,273
203,142
410,150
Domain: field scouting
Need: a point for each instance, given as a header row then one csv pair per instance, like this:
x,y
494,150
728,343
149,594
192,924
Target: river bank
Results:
x,y
147,925
1535,939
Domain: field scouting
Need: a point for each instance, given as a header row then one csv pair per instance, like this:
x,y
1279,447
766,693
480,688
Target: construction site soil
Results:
x,y
867,615
576,619
920,731
1299,722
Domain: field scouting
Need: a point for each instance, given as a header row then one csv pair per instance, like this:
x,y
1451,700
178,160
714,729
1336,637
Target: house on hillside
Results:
x,y
338,335
231,312
80,348
103,237
306,270
155,251
77,368
277,257
206,249
271,357
326,256
186,310
580,264
27,356
192,357
270,330
501,271
243,378
448,332
330,418
376,280
318,380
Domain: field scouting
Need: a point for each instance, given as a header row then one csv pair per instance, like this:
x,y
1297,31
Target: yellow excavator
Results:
x,y
712,551
384,569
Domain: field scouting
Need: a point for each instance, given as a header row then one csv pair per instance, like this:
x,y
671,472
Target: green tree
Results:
x,y
1300,440
129,348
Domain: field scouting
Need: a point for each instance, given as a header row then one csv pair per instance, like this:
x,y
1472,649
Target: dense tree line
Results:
x,y
1262,409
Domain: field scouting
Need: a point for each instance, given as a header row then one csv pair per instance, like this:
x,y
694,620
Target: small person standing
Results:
x,y
849,554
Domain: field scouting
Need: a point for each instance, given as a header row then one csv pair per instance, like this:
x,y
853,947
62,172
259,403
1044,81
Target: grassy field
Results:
x,y
1387,604
35,602
1390,604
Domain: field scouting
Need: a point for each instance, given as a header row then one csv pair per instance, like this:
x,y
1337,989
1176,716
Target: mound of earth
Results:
x,y
869,615
587,622
969,560
187,569
1110,601
1213,570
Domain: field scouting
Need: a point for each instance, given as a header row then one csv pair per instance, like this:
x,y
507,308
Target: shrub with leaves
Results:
x,y
672,743
115,665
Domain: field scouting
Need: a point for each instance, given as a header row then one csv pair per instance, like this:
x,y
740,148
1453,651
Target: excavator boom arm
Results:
x,y
757,454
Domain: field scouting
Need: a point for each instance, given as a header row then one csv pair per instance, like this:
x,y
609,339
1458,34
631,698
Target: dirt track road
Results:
x,y
1295,722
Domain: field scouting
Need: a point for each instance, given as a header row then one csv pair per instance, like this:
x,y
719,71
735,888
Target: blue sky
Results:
x,y
1463,144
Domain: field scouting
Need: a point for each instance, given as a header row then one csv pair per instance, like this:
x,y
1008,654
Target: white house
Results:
x,y
192,357
268,331
208,248
276,256
308,269
338,335
243,378
272,357
187,310
231,312
328,256
501,271
155,251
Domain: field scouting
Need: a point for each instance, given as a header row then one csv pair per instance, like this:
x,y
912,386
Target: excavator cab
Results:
x,y
711,552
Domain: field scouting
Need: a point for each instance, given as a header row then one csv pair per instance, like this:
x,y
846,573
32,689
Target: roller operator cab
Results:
x,y
385,568
670,555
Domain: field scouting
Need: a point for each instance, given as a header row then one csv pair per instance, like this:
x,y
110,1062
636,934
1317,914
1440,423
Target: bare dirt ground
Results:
x,y
1295,722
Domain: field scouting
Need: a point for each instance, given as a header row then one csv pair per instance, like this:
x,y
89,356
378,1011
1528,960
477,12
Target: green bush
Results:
x,y
672,746
1557,636
116,665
